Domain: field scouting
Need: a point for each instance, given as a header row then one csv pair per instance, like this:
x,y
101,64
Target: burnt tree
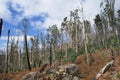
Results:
x,y
26,46
51,52
1,23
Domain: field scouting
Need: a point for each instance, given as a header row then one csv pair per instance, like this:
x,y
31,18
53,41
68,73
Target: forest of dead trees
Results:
x,y
76,36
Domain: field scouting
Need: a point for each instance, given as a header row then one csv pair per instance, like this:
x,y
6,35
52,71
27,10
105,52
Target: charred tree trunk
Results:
x,y
6,66
31,57
66,52
1,22
51,52
26,46
61,41
25,38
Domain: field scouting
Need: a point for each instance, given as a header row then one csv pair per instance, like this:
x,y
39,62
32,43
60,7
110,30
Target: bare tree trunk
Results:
x,y
86,49
6,66
26,46
76,40
85,34
19,59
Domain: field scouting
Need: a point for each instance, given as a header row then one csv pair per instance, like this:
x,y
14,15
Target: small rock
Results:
x,y
76,78
93,78
68,77
30,76
41,79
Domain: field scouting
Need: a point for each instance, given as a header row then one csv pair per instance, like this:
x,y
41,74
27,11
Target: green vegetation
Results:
x,y
118,74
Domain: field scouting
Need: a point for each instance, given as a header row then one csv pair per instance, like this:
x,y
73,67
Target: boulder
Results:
x,y
69,69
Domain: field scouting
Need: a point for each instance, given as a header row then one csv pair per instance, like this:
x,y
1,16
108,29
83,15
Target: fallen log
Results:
x,y
43,68
46,71
104,69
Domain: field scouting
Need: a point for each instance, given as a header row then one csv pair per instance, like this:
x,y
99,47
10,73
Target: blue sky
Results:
x,y
40,14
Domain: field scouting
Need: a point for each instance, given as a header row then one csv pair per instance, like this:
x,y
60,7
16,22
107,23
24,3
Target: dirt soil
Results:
x,y
99,59
15,75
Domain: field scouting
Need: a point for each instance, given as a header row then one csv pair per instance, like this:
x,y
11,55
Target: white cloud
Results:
x,y
21,38
56,9
4,38
52,21
18,32
4,12
3,46
117,7
37,24
91,8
